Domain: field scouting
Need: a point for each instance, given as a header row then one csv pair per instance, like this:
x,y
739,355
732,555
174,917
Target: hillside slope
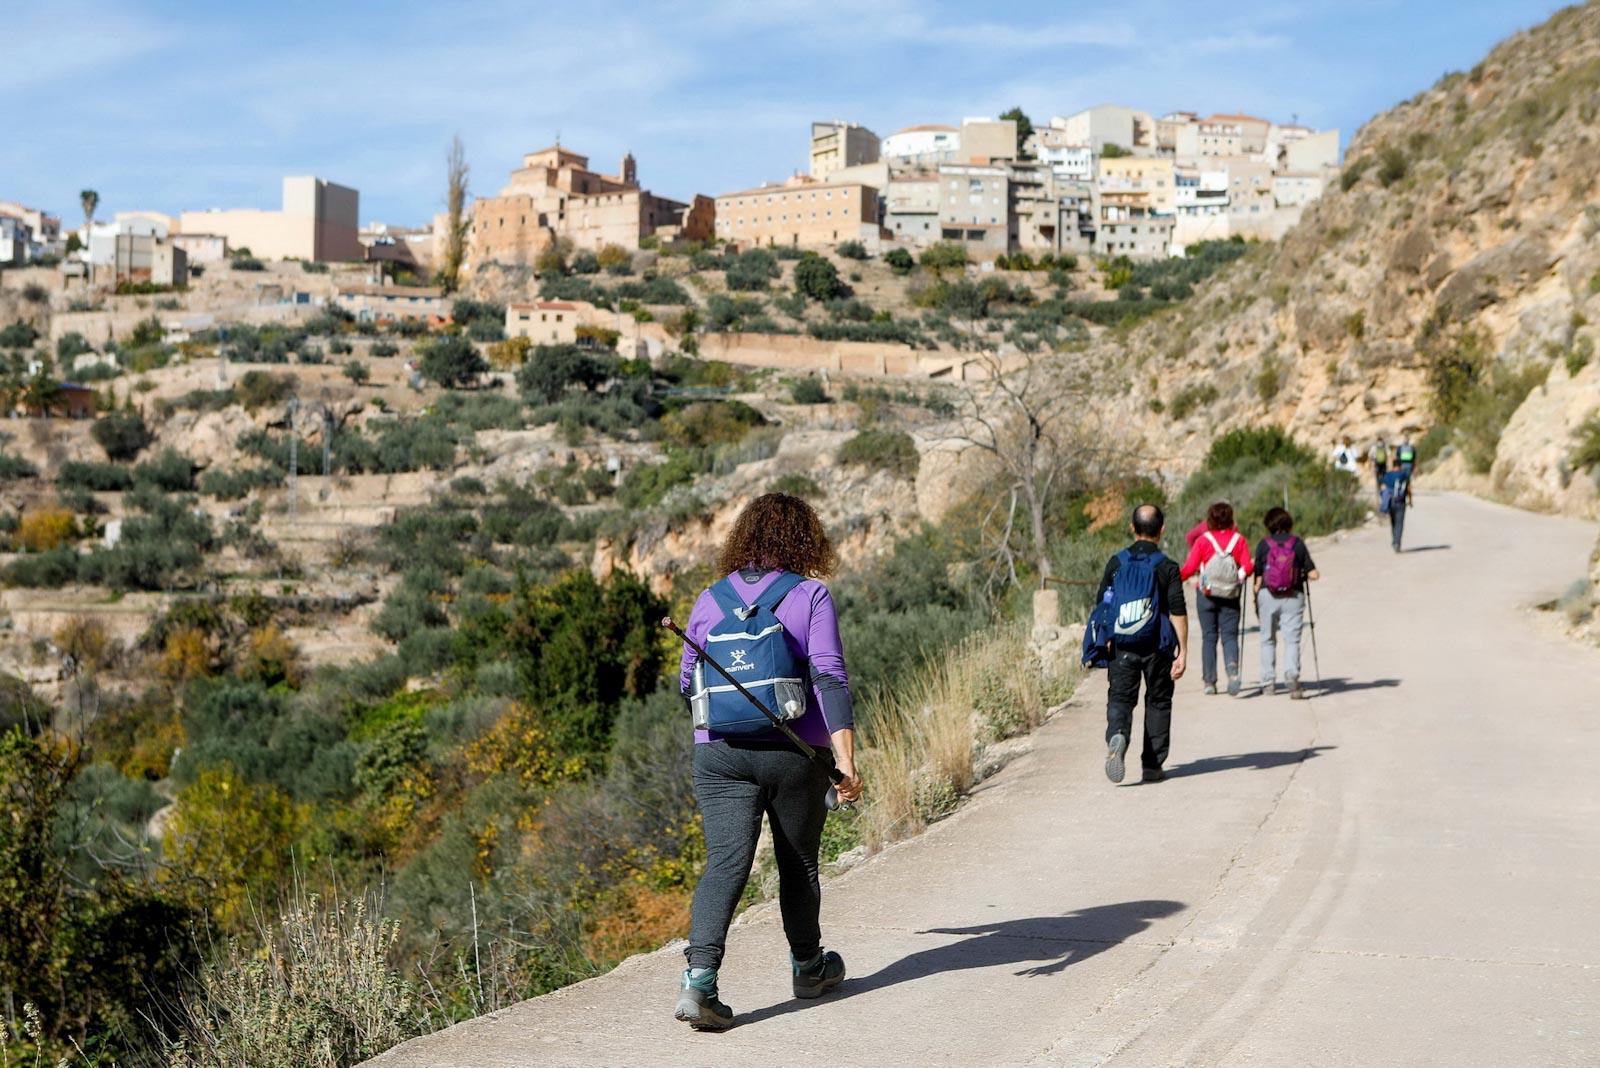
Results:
x,y
1461,256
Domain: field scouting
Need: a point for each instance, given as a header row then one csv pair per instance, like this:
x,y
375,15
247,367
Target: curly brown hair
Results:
x,y
1220,516
779,531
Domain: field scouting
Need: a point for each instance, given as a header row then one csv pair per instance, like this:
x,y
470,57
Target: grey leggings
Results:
x,y
735,783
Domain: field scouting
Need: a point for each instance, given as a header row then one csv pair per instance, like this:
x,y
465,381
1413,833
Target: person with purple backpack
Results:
x,y
1283,566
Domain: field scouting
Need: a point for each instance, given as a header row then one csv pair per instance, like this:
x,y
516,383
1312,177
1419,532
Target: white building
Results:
x,y
1069,161
922,146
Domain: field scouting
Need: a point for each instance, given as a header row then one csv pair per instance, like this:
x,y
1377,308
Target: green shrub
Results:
x,y
47,570
893,451
14,467
809,391
1269,379
1489,407
1266,445
246,263
234,484
851,250
1392,165
91,475
18,335
169,471
1190,398
900,261
383,349
796,485
942,255
122,434
1353,170
71,345
451,361
1585,455
817,278
261,389
752,269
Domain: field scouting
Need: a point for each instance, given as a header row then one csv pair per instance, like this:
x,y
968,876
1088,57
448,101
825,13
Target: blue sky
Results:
x,y
166,105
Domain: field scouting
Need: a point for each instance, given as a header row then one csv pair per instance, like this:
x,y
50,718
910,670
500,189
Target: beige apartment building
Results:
x,y
554,194
801,212
983,140
1137,186
1233,135
317,222
838,145
1109,124
911,208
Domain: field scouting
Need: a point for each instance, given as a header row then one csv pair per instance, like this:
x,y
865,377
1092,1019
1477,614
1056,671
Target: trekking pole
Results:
x,y
834,773
1311,621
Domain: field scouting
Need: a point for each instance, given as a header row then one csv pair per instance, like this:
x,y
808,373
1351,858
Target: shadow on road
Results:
x,y
1331,686
1253,761
1054,942
1424,548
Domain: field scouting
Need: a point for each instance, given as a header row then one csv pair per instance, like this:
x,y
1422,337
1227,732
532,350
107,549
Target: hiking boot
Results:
x,y
699,1006
1153,775
1296,691
818,975
1117,747
1234,684
1211,689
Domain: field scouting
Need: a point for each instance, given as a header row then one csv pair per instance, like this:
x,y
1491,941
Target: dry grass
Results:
x,y
920,747
320,994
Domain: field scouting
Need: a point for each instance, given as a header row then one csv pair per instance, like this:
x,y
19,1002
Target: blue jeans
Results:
x,y
1219,618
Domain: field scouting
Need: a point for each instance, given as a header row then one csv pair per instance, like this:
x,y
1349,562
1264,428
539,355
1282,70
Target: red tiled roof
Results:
x,y
928,126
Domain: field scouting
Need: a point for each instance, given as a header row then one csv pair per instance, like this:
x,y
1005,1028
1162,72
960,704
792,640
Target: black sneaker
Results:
x,y
1118,746
698,1004
818,975
1153,775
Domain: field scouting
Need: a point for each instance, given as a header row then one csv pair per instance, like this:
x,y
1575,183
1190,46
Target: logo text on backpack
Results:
x,y
739,662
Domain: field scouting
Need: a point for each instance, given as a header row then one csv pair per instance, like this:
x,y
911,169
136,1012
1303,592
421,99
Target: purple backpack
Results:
x,y
1281,576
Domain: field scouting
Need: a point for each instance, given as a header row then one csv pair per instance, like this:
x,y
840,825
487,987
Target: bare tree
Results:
x,y
1031,414
456,206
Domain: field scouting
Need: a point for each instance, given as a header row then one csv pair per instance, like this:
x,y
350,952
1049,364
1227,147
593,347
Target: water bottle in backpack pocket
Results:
x,y
750,644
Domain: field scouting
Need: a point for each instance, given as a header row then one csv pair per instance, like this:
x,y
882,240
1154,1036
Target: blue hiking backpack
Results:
x,y
1130,612
750,644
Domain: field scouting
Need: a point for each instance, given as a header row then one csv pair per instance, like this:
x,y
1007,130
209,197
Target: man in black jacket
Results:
x,y
1148,660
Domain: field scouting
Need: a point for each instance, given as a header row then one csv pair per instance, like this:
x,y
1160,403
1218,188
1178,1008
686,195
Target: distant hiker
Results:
x,y
772,560
1405,456
1283,566
1394,497
1344,457
1380,459
1150,641
1221,559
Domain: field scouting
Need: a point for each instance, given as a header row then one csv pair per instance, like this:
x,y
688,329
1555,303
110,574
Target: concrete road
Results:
x,y
1404,870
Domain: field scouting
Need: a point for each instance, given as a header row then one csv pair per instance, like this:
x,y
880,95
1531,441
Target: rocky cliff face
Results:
x,y
1465,237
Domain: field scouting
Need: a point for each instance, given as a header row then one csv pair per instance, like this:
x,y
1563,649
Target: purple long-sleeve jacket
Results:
x,y
811,628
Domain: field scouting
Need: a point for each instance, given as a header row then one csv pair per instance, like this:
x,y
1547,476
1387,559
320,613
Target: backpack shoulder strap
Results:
x,y
780,588
1216,547
1233,543
727,599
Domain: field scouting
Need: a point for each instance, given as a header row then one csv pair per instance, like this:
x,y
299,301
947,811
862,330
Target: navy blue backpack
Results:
x,y
1130,613
750,644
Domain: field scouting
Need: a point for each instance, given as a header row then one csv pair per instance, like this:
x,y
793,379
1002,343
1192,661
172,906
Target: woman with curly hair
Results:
x,y
776,540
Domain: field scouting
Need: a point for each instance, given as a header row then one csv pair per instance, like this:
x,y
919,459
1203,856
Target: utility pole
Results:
x,y
327,443
294,451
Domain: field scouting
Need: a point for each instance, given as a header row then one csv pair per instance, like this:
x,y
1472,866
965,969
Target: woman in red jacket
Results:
x,y
1220,556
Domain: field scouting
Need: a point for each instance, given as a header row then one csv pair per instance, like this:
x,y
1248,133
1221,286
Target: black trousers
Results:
x,y
1123,675
736,783
1397,521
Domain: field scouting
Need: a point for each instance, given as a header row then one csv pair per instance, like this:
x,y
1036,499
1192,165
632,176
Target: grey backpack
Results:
x,y
1219,576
